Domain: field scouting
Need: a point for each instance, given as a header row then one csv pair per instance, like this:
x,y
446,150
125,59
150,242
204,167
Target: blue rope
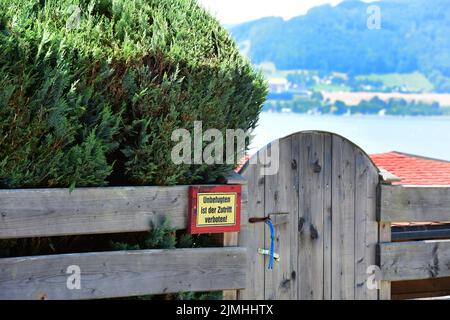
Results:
x,y
272,242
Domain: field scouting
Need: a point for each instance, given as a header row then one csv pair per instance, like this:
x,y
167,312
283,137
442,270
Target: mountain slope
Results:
x,y
414,36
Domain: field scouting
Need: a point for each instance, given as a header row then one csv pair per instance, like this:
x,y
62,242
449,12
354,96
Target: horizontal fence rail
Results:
x,y
425,260
414,204
123,273
415,260
58,212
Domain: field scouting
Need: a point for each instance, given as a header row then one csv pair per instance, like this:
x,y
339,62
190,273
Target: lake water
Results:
x,y
426,136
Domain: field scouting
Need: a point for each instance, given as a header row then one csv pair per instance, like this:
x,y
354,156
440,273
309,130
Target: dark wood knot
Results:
x,y
286,283
294,164
301,223
313,231
316,167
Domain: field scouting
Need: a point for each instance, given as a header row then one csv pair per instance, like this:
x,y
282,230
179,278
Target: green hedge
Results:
x,y
90,91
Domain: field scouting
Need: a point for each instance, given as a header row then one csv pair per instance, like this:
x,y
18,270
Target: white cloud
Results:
x,y
237,11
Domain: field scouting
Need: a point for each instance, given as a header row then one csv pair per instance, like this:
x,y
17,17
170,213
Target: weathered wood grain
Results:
x,y
123,273
278,195
294,198
343,232
56,212
328,217
231,239
415,260
330,194
385,234
366,226
414,204
252,234
311,215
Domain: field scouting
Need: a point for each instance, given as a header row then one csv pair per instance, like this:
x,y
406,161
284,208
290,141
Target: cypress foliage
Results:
x,y
91,91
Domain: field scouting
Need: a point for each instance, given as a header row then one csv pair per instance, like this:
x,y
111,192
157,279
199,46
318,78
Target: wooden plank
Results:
x,y
294,190
231,239
56,212
311,215
123,273
415,260
420,288
366,226
328,217
343,230
252,234
278,195
384,236
414,204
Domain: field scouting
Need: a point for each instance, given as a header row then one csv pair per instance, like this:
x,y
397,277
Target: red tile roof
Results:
x,y
414,170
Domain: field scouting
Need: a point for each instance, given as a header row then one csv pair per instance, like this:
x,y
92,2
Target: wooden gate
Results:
x,y
322,201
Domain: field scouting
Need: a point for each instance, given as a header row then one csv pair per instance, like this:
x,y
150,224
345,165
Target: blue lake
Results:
x,y
426,136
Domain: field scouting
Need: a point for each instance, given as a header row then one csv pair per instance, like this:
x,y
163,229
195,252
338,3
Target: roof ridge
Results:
x,y
420,157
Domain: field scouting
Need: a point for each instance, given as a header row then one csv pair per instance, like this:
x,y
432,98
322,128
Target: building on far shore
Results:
x,y
278,85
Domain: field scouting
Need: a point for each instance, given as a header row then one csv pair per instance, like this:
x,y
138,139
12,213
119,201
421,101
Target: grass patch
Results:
x,y
415,81
331,87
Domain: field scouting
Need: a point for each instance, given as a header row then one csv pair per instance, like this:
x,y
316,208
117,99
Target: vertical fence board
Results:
x,y
278,192
366,227
343,232
231,239
328,219
384,236
311,214
252,234
294,218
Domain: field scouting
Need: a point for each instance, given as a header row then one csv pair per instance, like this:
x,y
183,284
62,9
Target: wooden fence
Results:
x,y
413,260
332,210
57,212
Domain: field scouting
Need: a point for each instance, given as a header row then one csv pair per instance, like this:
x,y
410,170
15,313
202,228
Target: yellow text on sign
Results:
x,y
216,209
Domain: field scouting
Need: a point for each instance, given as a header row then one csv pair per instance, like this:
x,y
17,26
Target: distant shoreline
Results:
x,y
356,115
354,98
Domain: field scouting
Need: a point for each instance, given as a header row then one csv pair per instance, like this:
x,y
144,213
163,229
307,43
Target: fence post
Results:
x,y
384,229
230,239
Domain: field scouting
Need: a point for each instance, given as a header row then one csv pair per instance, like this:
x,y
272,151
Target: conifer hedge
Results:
x,y
91,90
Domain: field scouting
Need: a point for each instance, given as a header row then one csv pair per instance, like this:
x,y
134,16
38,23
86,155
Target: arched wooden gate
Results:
x,y
323,203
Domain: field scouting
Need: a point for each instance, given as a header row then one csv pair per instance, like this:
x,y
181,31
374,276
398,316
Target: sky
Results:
x,y
238,11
